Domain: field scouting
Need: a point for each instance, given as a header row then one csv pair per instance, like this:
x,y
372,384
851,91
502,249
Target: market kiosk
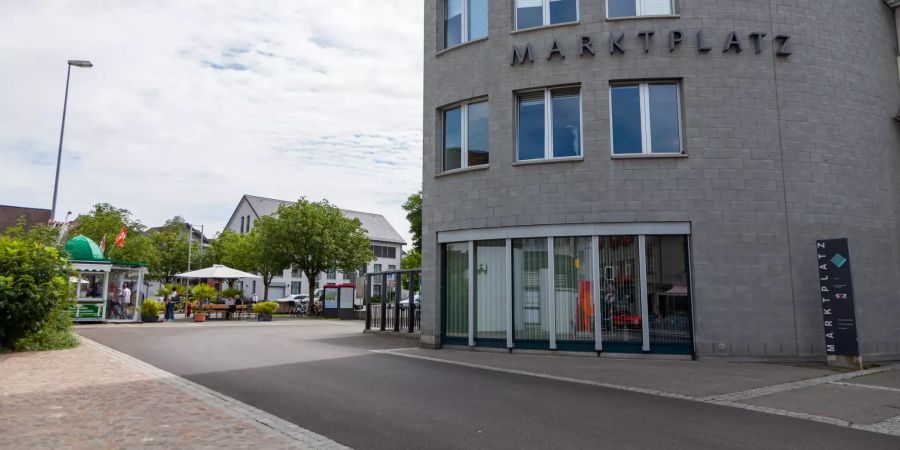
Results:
x,y
105,290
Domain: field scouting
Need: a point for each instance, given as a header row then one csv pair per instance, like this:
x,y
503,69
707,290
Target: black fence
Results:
x,y
393,302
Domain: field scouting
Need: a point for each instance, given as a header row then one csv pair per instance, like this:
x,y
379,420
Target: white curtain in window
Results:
x,y
530,3
656,7
490,289
478,19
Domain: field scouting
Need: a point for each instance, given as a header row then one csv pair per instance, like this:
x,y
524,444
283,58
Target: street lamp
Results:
x,y
76,63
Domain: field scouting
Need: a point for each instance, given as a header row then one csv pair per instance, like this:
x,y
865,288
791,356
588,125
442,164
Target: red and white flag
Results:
x,y
120,239
103,245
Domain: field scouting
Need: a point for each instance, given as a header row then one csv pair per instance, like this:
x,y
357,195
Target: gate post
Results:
x,y
367,296
383,301
398,291
412,303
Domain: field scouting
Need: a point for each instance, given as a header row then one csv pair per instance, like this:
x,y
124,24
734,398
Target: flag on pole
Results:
x,y
120,239
103,244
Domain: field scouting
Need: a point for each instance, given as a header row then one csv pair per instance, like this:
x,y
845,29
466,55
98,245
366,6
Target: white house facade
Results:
x,y
387,245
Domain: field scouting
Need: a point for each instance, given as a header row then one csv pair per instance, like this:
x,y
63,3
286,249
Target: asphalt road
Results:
x,y
323,376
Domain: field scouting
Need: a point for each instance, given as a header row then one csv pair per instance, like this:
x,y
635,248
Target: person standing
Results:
x,y
126,301
255,298
171,300
229,301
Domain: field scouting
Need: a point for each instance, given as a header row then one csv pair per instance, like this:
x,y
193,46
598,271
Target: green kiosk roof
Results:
x,y
82,248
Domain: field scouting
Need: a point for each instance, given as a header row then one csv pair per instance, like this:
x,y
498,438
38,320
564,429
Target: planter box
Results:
x,y
150,319
263,318
199,317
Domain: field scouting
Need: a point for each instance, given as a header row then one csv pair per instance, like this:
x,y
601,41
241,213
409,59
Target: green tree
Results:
x,y
413,208
33,286
171,254
107,220
316,237
412,260
261,251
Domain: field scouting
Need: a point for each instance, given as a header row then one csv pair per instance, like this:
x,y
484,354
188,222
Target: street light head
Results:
x,y
78,63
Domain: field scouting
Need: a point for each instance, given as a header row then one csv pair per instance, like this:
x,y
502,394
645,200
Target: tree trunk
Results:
x,y
313,282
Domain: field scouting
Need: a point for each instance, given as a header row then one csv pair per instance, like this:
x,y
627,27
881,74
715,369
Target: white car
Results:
x,y
293,298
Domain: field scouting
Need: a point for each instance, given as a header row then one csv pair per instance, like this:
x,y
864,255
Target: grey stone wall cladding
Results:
x,y
781,152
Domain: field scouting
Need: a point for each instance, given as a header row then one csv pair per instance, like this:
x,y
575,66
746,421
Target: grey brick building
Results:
x,y
591,186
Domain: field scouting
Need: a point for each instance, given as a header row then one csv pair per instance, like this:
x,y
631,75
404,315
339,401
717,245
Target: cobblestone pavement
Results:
x,y
92,397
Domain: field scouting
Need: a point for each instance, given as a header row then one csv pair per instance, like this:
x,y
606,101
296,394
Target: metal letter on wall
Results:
x,y
836,288
522,55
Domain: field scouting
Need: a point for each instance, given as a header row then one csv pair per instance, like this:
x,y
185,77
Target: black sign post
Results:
x,y
836,286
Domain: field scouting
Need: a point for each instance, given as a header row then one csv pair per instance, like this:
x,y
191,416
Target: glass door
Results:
x,y
620,293
531,296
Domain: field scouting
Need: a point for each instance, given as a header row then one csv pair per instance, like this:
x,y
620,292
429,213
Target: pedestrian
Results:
x,y
126,300
255,298
171,300
231,307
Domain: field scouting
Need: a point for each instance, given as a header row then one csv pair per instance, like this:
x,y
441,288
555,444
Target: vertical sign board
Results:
x,y
836,286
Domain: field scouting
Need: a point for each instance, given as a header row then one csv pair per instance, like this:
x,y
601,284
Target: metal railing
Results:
x,y
391,310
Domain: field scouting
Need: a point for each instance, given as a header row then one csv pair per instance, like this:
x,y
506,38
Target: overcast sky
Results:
x,y
192,104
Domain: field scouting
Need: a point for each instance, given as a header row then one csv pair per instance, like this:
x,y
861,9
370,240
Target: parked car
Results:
x,y
293,298
405,302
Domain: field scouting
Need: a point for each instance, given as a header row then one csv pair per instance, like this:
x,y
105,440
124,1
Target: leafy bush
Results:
x,y
203,292
33,288
231,293
151,308
165,291
55,333
265,308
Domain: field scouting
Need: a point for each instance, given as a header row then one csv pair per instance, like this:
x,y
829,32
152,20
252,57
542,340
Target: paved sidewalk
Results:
x,y
93,397
866,400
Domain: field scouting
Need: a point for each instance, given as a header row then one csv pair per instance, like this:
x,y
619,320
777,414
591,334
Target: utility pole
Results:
x,y
190,244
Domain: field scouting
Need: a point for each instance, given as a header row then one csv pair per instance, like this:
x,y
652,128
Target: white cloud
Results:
x,y
192,104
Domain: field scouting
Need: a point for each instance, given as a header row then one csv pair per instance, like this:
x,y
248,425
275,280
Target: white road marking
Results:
x,y
890,426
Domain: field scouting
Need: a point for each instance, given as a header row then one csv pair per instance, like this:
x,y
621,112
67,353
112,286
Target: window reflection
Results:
x,y
626,119
620,289
456,293
453,23
566,125
562,11
479,134
665,131
529,13
453,139
531,127
574,290
668,290
531,298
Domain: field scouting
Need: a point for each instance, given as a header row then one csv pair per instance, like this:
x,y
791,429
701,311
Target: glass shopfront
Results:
x,y
456,291
490,293
531,293
622,293
122,296
574,292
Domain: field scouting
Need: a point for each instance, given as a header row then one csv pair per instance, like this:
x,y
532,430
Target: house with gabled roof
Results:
x,y
387,245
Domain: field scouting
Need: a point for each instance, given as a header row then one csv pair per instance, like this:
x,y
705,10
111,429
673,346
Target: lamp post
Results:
x,y
76,63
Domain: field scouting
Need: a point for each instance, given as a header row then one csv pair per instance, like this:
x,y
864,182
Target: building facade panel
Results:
x,y
778,151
